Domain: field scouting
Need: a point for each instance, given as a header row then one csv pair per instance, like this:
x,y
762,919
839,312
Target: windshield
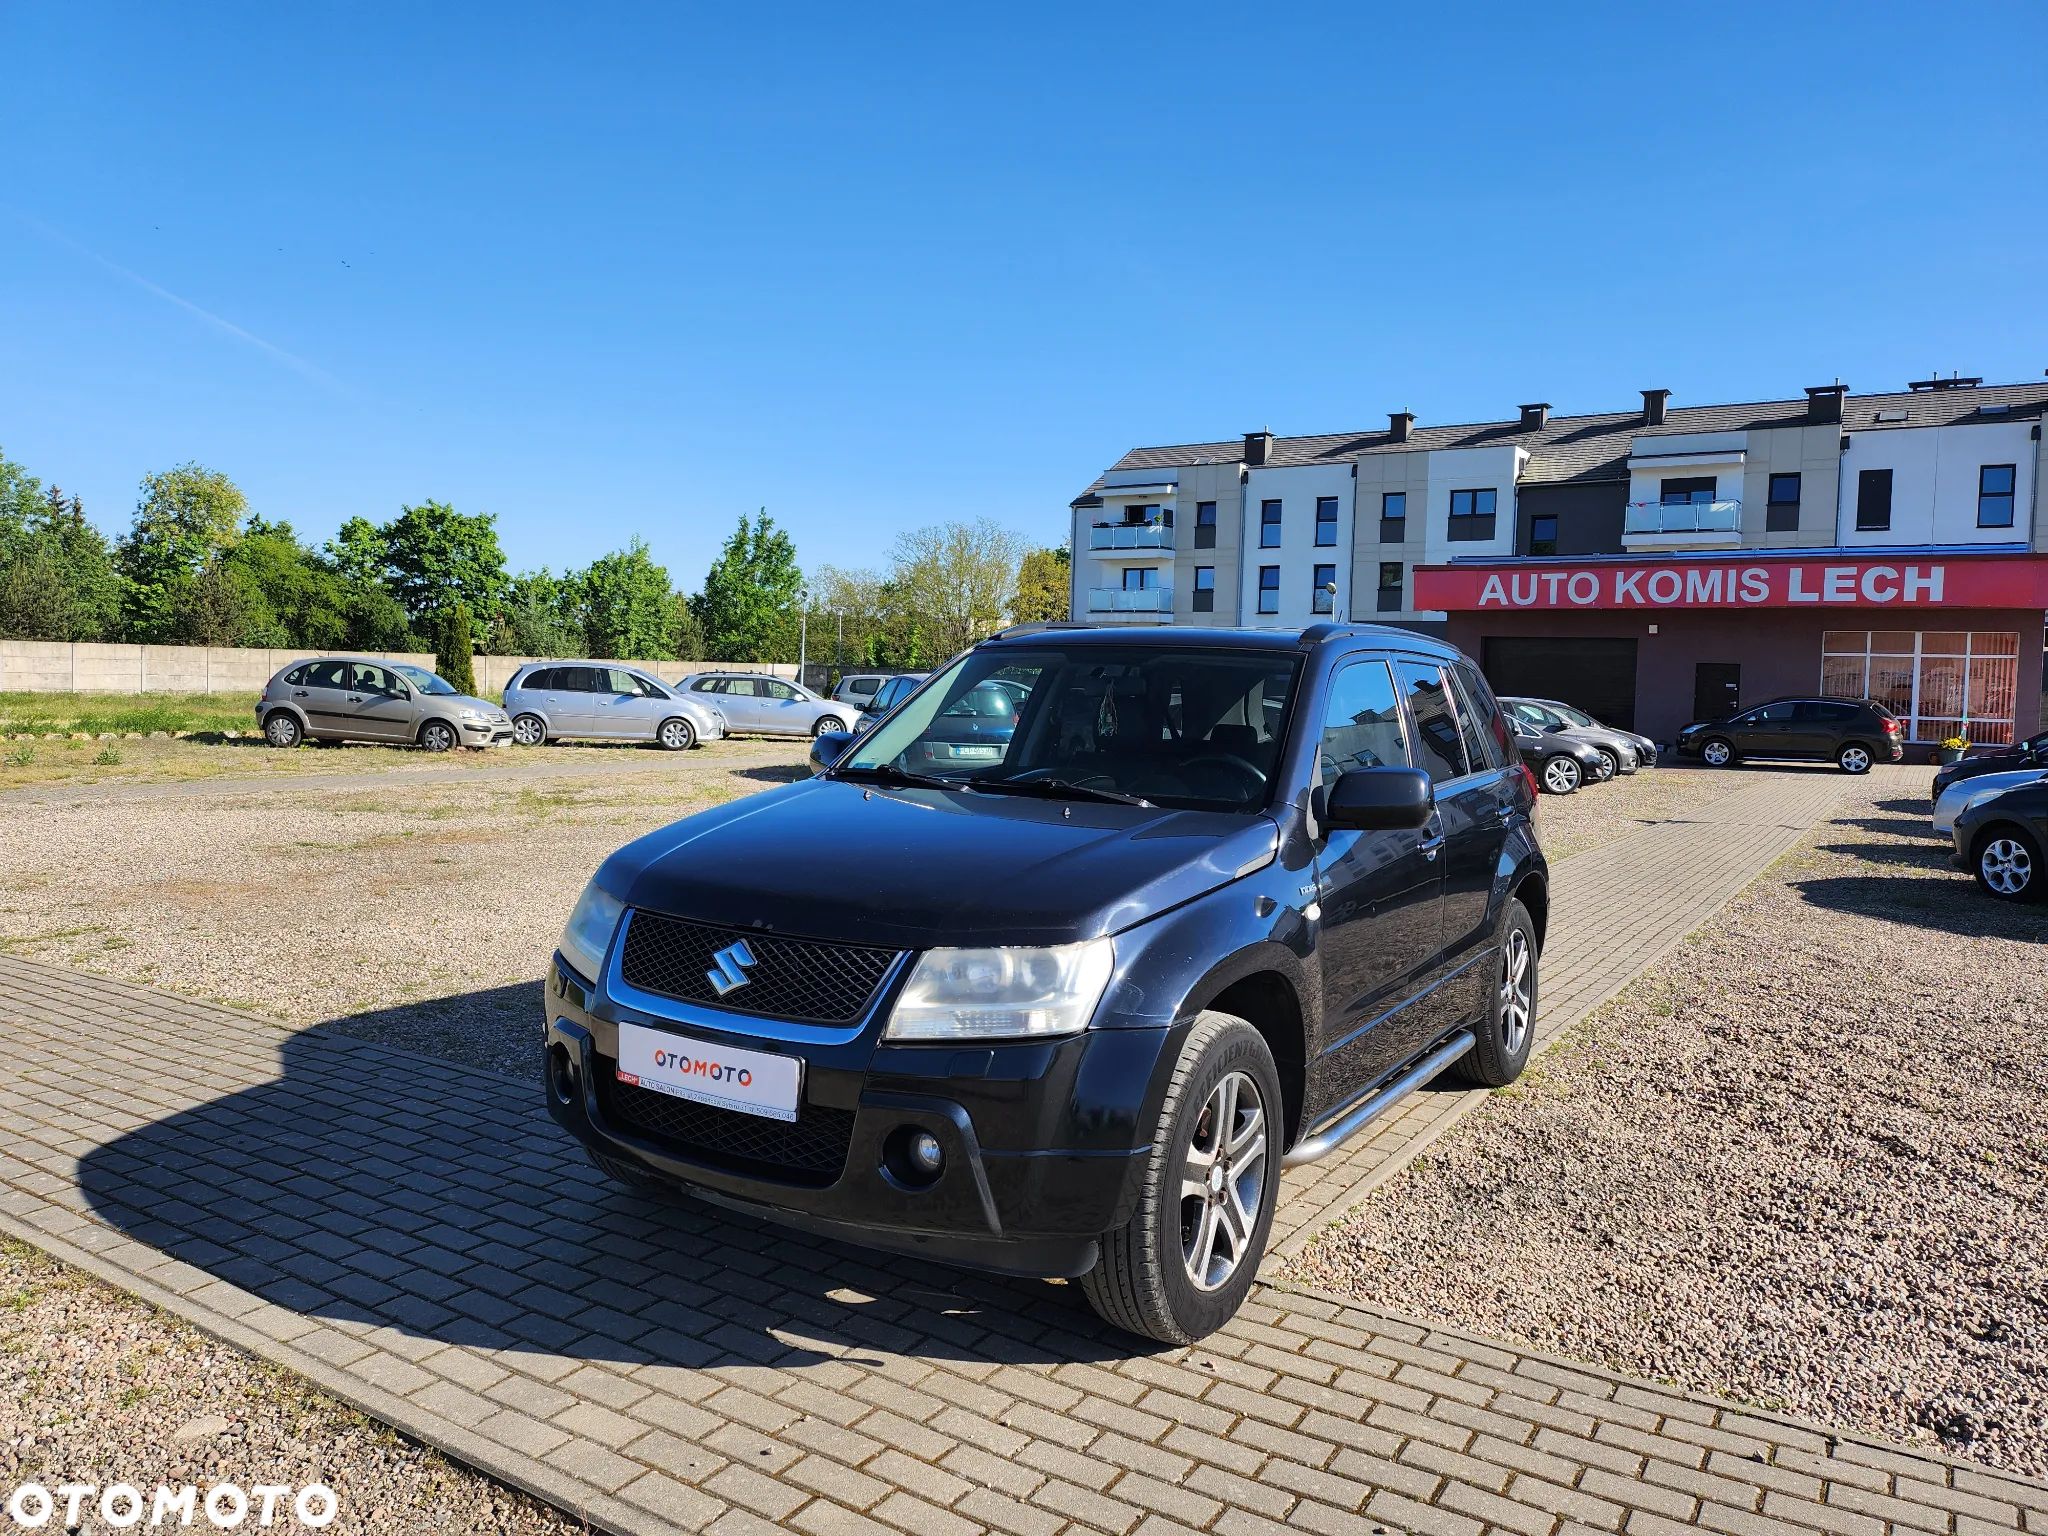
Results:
x,y
424,680
1196,729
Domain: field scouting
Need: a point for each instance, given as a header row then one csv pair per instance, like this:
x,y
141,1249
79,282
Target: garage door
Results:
x,y
1598,676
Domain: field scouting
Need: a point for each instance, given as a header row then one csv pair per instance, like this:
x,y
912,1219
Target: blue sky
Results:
x,y
619,270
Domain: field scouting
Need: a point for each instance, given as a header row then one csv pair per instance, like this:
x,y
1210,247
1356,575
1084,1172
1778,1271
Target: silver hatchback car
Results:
x,y
359,698
604,701
755,704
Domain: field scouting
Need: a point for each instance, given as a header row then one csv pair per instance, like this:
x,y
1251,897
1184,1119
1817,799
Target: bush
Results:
x,y
453,655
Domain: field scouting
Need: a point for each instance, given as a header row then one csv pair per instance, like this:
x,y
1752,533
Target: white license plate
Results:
x,y
753,1082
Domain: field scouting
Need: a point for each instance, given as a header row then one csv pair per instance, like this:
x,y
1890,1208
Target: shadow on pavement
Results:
x,y
374,1186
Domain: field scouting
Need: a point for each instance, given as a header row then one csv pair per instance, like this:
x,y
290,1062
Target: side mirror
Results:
x,y
1379,800
827,747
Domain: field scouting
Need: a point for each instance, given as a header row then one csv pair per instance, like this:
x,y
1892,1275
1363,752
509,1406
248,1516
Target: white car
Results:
x,y
1964,793
754,704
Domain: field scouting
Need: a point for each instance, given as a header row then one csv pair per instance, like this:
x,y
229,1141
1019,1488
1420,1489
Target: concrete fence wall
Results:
x,y
57,666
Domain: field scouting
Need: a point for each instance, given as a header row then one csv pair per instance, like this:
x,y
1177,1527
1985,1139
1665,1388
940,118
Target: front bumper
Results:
x,y
486,733
1042,1140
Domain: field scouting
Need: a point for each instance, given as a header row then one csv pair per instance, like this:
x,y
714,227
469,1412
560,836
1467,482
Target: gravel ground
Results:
x,y
274,901
101,1388
1800,1162
1599,813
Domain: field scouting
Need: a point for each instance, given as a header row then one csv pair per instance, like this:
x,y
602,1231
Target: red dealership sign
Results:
x,y
1748,581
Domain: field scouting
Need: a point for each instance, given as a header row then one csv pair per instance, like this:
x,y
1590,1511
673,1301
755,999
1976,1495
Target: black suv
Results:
x,y
1215,902
1852,733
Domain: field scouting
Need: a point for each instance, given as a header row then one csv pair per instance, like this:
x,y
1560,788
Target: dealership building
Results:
x,y
1652,566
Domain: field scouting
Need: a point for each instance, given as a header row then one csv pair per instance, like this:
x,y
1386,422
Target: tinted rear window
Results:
x,y
1438,747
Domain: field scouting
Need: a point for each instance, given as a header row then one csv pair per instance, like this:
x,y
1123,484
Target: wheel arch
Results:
x,y
1268,998
286,707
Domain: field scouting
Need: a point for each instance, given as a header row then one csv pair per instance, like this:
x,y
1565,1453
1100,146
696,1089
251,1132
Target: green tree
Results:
x,y
435,556
626,605
746,610
453,657
1044,586
57,576
358,552
186,516
540,616
299,596
376,622
685,638
958,580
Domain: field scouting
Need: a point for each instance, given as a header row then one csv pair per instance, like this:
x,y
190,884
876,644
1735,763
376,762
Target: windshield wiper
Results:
x,y
1056,789
889,774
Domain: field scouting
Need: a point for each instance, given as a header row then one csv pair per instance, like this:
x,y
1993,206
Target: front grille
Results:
x,y
809,1150
802,979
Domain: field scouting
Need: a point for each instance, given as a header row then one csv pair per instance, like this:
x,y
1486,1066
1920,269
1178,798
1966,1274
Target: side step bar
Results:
x,y
1335,1132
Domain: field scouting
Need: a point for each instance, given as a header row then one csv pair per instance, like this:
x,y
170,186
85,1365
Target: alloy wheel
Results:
x,y
1514,992
1223,1181
2007,865
1560,775
437,737
1855,760
528,731
1717,754
675,734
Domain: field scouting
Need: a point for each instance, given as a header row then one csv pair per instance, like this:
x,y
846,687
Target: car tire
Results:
x,y
1144,1280
1717,752
1507,1035
1618,766
1854,758
438,736
676,735
1610,766
281,728
627,1176
2006,860
826,723
530,731
1561,775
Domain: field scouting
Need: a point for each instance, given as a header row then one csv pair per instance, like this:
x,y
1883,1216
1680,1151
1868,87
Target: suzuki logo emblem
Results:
x,y
729,968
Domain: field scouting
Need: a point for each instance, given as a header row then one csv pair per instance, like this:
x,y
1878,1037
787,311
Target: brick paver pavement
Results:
x,y
418,1239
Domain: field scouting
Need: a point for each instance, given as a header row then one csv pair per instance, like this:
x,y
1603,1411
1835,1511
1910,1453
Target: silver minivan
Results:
x,y
362,698
859,688
604,701
755,704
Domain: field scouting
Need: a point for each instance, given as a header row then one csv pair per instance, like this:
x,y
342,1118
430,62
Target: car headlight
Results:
x,y
588,933
1002,994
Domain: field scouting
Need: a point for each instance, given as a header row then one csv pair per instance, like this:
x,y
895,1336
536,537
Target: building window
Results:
x,y
1691,491
1472,516
1205,589
1390,586
1941,683
1324,601
1269,525
1873,500
1543,534
1326,521
1205,525
1781,506
1269,589
1141,578
1994,496
1394,517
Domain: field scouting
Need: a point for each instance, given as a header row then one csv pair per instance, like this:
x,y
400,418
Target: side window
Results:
x,y
327,674
1362,726
1488,741
1439,750
539,679
708,685
296,678
1833,714
619,680
861,687
364,678
768,688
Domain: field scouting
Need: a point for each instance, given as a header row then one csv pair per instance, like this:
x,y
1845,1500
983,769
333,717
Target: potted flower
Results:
x,y
1954,747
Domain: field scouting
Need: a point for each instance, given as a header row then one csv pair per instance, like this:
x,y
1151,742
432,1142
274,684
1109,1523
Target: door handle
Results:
x,y
1430,847
355,698
298,693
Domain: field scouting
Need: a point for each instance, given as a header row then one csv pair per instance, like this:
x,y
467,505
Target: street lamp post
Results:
x,y
803,633
1331,588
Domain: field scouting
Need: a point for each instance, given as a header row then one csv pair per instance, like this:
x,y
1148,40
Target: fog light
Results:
x,y
926,1155
561,1075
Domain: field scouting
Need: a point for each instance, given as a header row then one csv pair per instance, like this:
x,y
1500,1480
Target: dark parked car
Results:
x,y
1851,733
2031,753
1220,899
2000,841
1561,763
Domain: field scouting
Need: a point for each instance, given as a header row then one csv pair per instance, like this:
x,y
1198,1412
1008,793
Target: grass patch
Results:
x,y
22,713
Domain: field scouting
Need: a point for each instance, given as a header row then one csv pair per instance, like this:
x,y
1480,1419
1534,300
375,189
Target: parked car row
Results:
x,y
360,698
1993,809
1565,747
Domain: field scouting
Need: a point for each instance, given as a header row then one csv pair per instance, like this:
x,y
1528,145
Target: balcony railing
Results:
x,y
1130,536
1653,517
1130,600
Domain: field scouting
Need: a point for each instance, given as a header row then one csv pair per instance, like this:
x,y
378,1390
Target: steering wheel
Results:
x,y
1247,781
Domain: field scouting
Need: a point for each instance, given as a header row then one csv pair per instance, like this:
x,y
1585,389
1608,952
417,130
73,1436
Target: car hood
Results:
x,y
913,868
466,701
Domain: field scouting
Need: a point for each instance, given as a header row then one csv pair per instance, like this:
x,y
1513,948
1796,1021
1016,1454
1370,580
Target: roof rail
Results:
x,y
1041,625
